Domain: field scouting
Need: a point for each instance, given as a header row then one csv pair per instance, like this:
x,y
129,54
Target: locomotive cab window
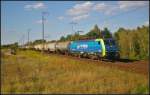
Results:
x,y
112,42
109,42
106,42
99,42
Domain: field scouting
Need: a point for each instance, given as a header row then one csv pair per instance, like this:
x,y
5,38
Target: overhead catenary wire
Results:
x,y
73,23
113,17
105,21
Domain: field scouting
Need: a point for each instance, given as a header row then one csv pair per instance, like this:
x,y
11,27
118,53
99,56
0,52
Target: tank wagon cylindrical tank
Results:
x,y
45,46
36,47
62,47
51,46
40,46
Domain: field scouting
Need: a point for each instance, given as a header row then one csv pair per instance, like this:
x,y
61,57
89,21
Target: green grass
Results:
x,y
33,72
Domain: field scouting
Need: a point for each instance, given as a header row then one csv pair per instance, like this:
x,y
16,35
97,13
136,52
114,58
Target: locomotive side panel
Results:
x,y
87,46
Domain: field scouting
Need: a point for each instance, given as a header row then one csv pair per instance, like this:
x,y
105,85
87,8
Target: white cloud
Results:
x,y
60,17
81,17
121,6
111,10
80,9
35,6
40,21
100,7
124,5
106,9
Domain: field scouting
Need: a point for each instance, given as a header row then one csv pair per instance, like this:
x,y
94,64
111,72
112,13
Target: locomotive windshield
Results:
x,y
109,42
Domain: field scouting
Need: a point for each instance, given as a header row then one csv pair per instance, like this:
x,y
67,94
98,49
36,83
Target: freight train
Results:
x,y
92,48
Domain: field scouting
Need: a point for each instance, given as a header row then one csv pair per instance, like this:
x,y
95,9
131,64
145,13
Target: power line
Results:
x,y
105,21
112,17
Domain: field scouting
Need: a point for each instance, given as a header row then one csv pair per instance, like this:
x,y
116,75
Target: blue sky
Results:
x,y
19,16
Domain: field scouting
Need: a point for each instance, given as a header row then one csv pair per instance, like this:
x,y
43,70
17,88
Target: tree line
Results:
x,y
133,43
12,46
93,33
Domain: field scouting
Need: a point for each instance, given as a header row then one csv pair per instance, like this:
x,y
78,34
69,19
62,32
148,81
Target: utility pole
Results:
x,y
73,23
78,32
43,19
23,40
43,31
29,36
20,41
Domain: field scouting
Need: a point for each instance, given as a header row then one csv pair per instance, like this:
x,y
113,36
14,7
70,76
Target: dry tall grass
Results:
x,y
33,72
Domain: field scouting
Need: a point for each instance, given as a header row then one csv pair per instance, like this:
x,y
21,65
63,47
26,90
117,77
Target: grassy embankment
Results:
x,y
32,72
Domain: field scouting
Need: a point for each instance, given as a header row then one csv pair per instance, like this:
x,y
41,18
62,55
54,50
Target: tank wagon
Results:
x,y
62,47
38,47
51,47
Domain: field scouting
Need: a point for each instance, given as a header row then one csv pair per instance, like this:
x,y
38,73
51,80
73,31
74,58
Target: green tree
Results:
x,y
94,33
106,33
39,41
133,43
69,37
62,38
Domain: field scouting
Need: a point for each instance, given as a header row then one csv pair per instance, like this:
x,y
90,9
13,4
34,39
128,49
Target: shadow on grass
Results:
x,y
125,60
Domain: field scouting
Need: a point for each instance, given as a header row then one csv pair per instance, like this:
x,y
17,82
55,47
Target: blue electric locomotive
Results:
x,y
98,48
